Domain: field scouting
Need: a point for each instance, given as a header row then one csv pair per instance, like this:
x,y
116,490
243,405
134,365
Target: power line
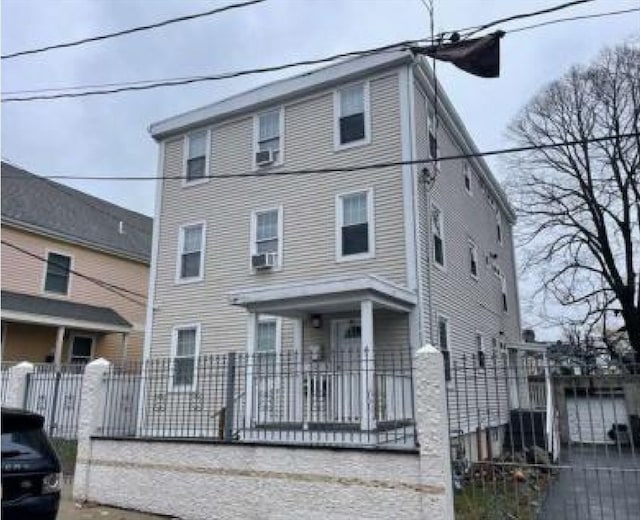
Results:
x,y
131,30
116,289
345,169
527,15
573,18
225,75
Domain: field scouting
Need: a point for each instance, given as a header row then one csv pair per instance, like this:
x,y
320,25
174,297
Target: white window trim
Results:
x,y
445,318
82,335
467,173
44,275
504,294
192,279
500,238
252,236
443,266
185,158
475,250
371,221
266,318
337,146
256,136
196,355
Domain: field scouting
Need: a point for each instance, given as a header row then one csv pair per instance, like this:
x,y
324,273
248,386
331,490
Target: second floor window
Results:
x,y
266,235
466,172
352,117
498,227
473,259
355,225
191,254
268,142
503,287
437,230
58,271
196,163
434,148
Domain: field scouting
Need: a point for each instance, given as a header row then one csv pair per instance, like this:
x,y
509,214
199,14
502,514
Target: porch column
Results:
x,y
57,358
367,381
298,397
252,327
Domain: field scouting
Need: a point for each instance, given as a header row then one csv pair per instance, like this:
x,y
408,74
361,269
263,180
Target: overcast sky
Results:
x,y
107,135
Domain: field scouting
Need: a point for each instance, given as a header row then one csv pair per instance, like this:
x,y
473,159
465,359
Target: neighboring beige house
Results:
x,y
359,262
74,273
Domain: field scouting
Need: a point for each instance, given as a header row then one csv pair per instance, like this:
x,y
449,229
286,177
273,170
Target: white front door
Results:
x,y
345,387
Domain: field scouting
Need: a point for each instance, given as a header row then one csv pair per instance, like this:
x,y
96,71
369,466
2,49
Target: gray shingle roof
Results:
x,y
73,215
26,303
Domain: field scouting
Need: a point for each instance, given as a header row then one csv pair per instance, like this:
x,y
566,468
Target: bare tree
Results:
x,y
579,205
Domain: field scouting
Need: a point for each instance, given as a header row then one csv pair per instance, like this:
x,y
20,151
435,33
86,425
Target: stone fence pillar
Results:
x,y
432,423
16,389
89,417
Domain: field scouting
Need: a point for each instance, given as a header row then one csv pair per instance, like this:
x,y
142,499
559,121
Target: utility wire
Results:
x,y
345,169
225,75
573,18
116,289
527,15
131,30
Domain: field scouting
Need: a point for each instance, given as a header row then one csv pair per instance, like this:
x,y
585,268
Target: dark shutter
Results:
x,y
351,128
355,239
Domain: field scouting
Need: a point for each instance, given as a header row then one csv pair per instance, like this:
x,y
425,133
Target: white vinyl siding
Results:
x,y
352,116
185,350
355,237
268,135
191,244
196,164
267,229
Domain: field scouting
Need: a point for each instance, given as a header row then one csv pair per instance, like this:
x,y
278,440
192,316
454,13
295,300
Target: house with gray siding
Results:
x,y
346,270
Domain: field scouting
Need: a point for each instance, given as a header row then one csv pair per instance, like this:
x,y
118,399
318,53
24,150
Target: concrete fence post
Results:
x,y
432,423
16,389
89,419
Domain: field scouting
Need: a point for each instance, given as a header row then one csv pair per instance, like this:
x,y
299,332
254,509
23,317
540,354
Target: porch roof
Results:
x,y
337,294
27,308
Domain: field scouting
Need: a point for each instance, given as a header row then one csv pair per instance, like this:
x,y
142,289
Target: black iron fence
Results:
x,y
349,398
534,439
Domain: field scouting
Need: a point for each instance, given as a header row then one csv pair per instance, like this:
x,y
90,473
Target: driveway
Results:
x,y
595,482
69,511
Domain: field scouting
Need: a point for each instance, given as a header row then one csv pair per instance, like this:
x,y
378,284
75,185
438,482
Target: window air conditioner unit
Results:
x,y
264,157
264,261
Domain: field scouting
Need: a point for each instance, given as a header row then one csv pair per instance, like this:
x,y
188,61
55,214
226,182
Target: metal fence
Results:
x,y
4,378
531,439
54,392
346,399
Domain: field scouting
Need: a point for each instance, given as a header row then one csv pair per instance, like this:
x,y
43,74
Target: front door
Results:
x,y
344,396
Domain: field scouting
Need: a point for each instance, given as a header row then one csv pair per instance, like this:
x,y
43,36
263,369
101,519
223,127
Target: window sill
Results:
x,y
53,294
440,267
257,272
474,277
267,167
187,281
196,182
355,257
337,147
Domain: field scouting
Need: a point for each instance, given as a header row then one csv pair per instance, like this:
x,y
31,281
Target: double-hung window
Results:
x,y
57,274
432,136
184,356
503,287
466,173
437,230
268,131
266,235
191,244
196,157
443,340
473,259
352,118
355,226
480,350
498,227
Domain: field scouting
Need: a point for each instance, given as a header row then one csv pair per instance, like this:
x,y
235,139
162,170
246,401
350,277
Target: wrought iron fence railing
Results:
x,y
340,399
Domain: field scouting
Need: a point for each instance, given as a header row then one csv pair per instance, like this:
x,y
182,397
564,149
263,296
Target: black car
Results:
x,y
31,478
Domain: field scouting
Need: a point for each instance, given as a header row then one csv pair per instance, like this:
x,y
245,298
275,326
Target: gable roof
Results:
x,y
41,205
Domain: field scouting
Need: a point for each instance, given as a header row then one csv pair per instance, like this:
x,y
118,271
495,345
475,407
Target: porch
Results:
x,y
347,369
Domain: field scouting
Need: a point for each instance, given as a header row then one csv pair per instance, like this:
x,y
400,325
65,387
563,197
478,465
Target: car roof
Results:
x,y
14,419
